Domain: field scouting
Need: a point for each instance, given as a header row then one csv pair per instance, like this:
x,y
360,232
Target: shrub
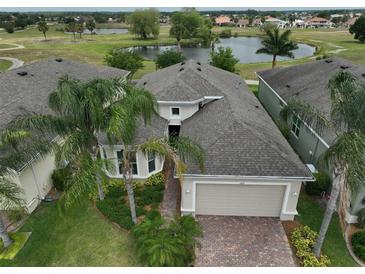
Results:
x,y
150,195
358,244
159,244
124,59
168,58
235,35
227,33
116,191
322,184
224,59
284,129
116,212
155,179
1,245
153,214
16,215
361,218
303,239
60,178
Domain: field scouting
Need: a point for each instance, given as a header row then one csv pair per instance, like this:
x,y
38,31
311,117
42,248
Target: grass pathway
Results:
x,y
81,237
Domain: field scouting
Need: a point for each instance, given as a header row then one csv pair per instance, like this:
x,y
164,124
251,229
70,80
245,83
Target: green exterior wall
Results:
x,y
308,146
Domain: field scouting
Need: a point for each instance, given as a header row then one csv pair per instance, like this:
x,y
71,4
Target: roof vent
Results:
x,y
297,93
199,69
182,63
256,106
329,61
198,63
344,67
144,83
181,69
59,60
363,74
288,86
22,73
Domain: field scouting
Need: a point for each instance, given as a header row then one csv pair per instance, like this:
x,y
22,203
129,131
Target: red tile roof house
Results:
x,y
222,20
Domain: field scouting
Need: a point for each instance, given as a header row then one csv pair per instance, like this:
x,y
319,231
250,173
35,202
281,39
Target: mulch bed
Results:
x,y
289,227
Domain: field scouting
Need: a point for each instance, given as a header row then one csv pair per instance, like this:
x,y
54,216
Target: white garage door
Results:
x,y
239,200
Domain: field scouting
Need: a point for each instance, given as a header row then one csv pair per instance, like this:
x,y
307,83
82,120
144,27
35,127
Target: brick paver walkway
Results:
x,y
243,241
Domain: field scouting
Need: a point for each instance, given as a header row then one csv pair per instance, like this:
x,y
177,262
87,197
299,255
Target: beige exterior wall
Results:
x,y
186,111
35,181
290,200
142,162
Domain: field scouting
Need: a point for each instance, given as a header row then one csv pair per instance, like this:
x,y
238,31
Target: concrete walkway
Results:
x,y
15,46
16,62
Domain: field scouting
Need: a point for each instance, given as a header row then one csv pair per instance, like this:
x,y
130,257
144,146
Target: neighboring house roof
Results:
x,y
318,20
237,135
351,21
242,22
30,92
308,82
222,20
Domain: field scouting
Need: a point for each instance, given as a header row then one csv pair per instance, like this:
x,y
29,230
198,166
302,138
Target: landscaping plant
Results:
x,y
303,239
320,185
168,58
361,218
358,244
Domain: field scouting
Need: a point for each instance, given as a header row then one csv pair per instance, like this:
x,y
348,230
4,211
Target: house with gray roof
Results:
x,y
25,90
250,168
308,83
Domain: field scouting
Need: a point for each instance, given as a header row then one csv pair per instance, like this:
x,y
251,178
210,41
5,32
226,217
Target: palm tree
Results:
x,y
277,44
346,156
10,199
80,112
169,149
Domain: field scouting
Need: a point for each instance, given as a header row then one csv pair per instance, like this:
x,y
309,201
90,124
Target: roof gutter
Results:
x,y
243,177
285,103
190,102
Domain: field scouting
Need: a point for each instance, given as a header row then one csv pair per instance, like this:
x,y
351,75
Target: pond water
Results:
x,y
105,31
244,48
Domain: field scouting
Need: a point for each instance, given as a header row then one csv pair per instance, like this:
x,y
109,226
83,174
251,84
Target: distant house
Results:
x,y
222,20
308,83
257,22
318,22
27,89
299,23
242,23
350,22
277,22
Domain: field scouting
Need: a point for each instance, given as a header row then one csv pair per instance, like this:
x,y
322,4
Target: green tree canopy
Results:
x,y
224,59
358,28
145,22
124,59
43,27
90,25
168,58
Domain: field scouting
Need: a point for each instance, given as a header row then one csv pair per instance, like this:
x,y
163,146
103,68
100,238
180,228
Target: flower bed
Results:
x,y
303,239
148,196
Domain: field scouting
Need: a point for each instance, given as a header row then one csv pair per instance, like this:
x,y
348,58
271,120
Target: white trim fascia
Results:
x,y
237,177
190,102
281,99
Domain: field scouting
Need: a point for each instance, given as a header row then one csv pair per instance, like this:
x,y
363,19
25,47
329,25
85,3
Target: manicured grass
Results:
x,y
337,42
311,214
4,65
254,89
79,237
5,46
149,66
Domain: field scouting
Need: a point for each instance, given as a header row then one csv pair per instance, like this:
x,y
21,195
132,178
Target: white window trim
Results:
x,y
174,116
295,124
148,162
117,163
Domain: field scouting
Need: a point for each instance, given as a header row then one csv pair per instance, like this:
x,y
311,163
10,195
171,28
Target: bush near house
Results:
x,y
160,244
361,218
322,184
60,177
303,239
148,196
358,244
227,33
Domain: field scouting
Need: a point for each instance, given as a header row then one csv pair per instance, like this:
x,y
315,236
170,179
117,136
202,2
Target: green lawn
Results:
x,y
5,46
4,65
80,237
92,49
311,214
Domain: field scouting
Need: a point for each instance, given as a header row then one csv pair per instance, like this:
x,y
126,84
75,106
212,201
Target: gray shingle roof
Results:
x,y
308,83
31,91
236,133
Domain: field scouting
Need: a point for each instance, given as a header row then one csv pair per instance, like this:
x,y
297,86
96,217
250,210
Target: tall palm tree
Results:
x,y
173,150
277,44
346,156
80,111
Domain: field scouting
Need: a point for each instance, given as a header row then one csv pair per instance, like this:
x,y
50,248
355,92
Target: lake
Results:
x,y
105,31
244,48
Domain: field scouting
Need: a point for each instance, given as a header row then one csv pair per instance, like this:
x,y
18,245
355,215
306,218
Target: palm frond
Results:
x,y
310,115
10,194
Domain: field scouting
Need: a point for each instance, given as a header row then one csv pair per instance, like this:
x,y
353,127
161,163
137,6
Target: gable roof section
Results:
x,y
308,82
238,136
31,91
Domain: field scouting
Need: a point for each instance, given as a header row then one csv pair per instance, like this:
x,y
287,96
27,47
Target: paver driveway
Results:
x,y
243,241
